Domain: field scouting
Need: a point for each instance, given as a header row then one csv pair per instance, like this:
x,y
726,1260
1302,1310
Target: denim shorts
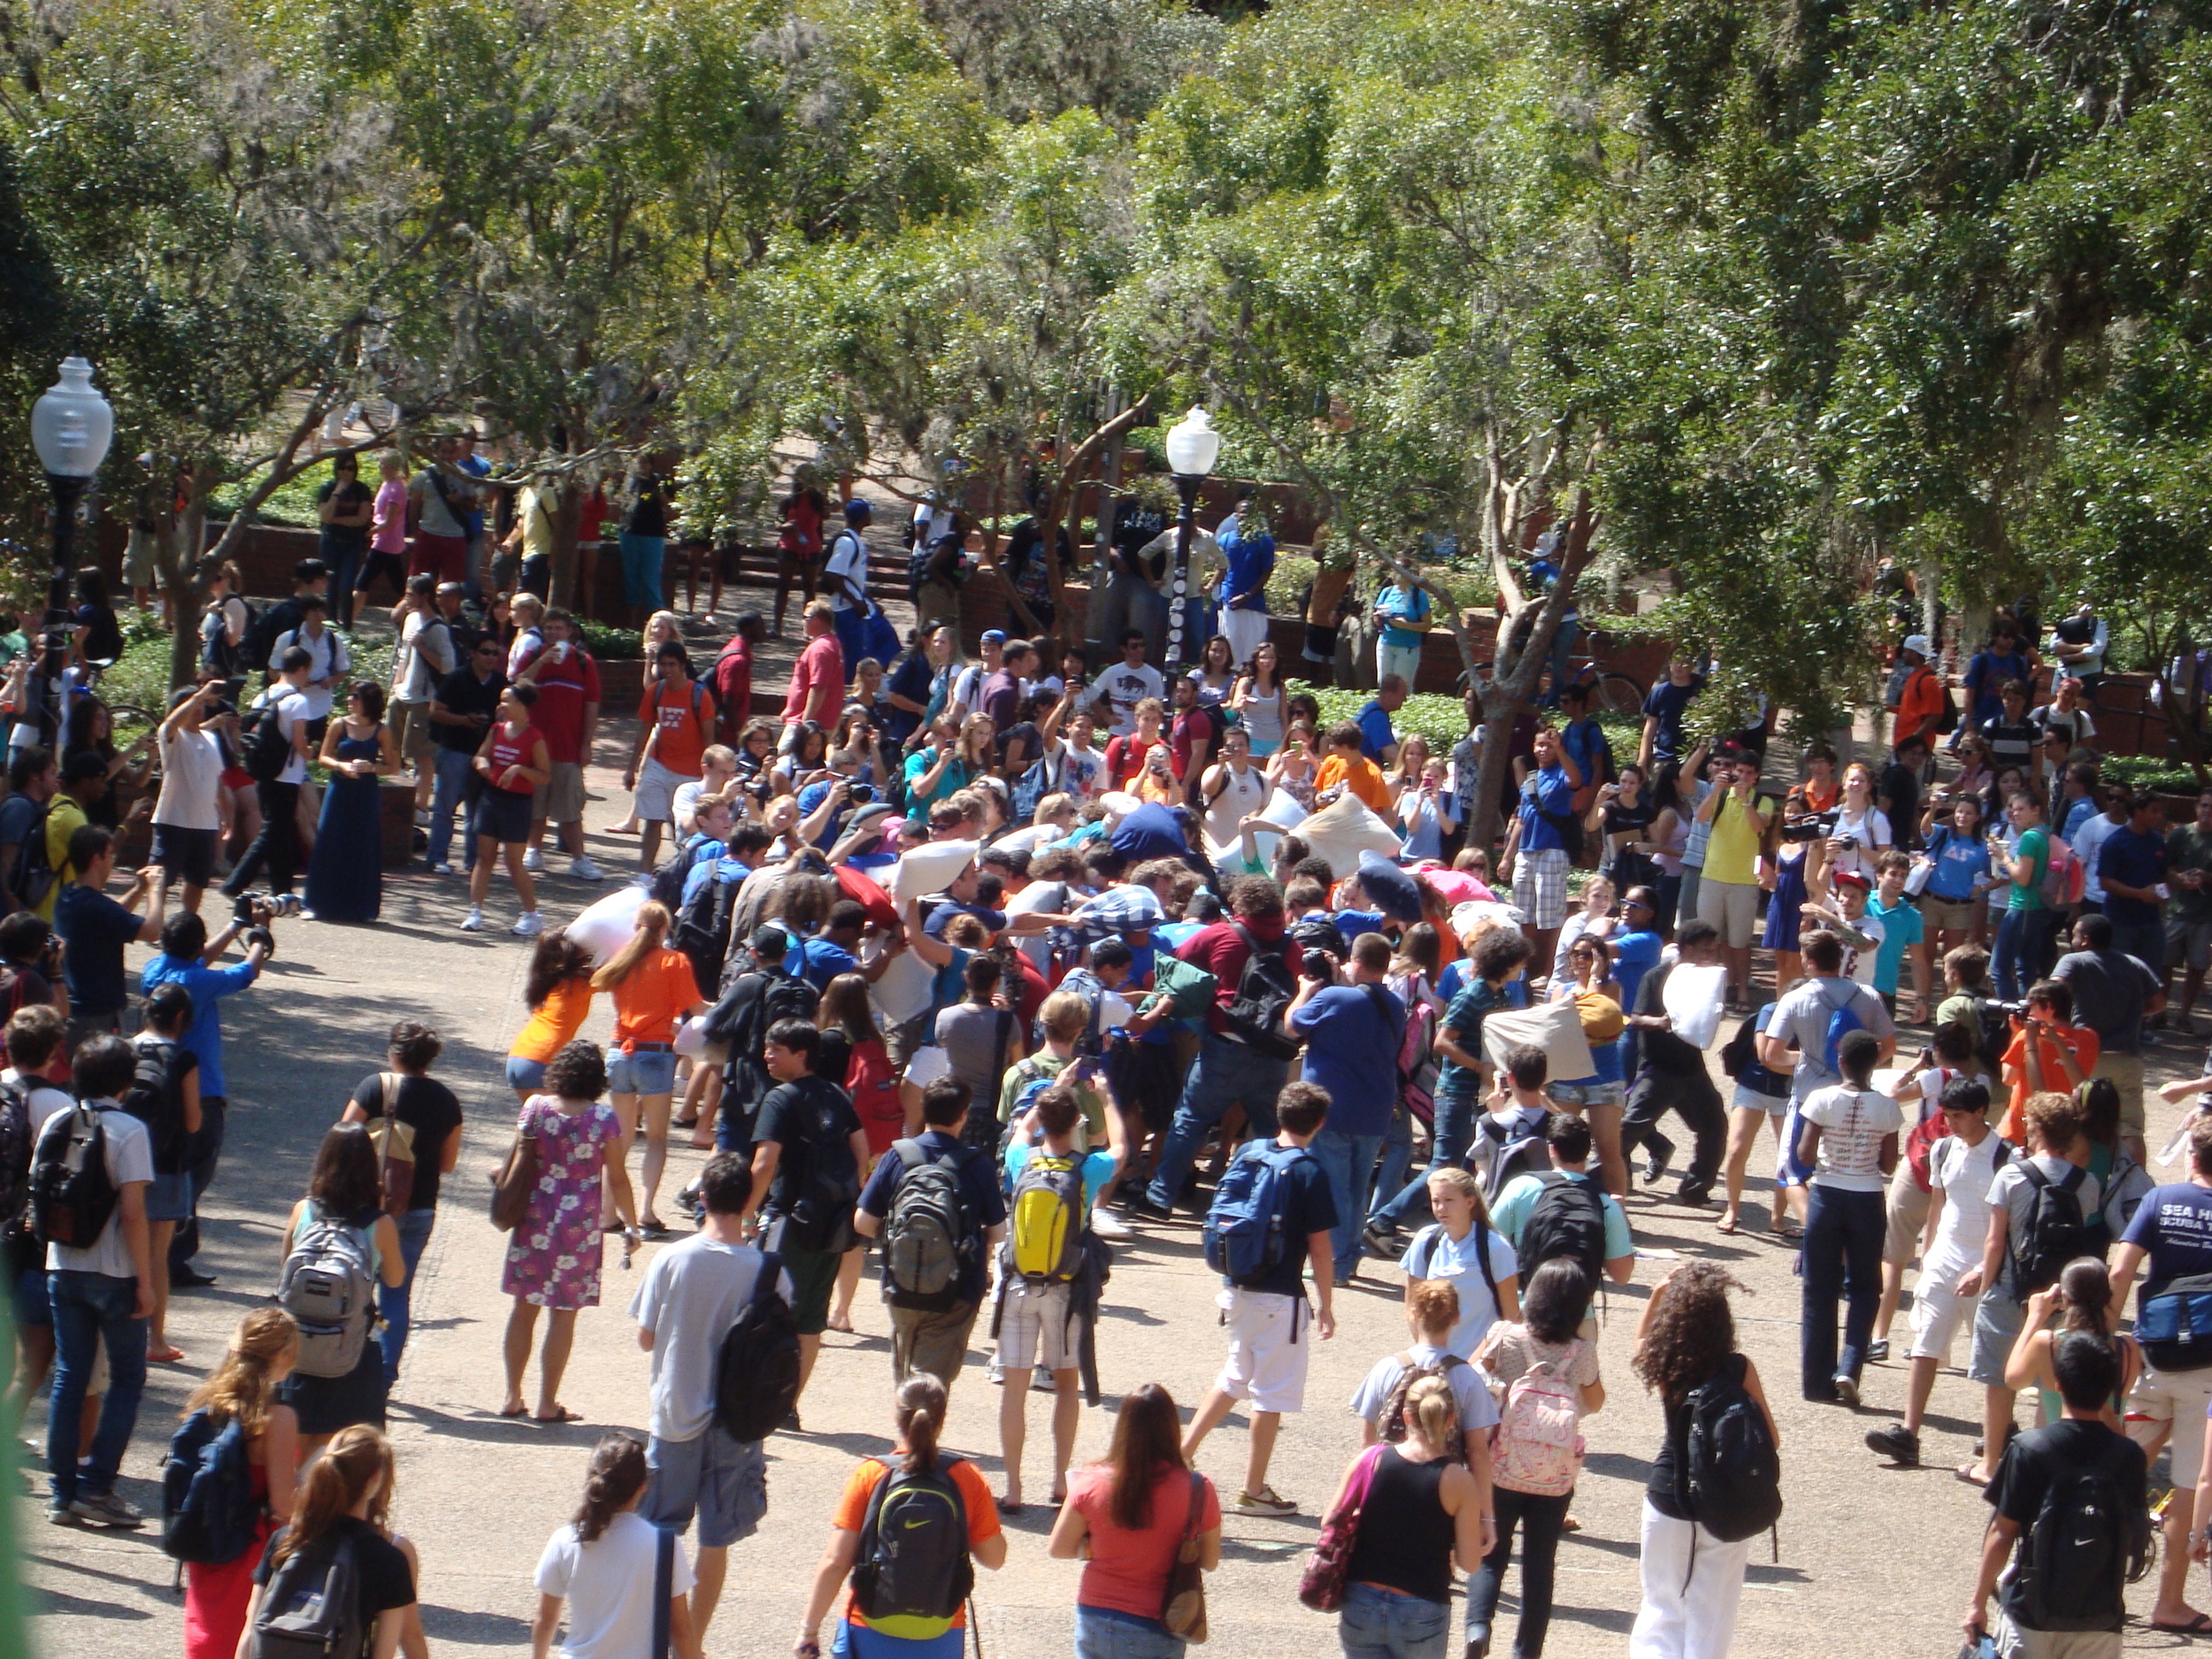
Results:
x,y
647,1071
724,1482
169,1198
32,1304
526,1077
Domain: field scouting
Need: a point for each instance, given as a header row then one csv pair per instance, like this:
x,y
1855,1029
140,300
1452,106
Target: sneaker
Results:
x,y
1897,1443
1108,1225
1264,1502
1847,1392
442,870
529,924
473,922
1146,1208
107,1510
1380,1241
790,1424
1656,1166
582,868
1877,1350
533,861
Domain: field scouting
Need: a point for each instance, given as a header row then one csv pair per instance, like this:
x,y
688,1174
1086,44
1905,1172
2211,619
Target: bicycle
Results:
x,y
1611,692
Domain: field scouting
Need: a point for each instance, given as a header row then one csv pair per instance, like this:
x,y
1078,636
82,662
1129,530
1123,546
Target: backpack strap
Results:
x,y
664,1589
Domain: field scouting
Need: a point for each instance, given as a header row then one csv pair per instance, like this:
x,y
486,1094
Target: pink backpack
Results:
x,y
1538,1449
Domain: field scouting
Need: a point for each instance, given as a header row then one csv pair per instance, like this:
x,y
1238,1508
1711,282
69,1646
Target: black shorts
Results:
x,y
504,815
1143,1075
187,855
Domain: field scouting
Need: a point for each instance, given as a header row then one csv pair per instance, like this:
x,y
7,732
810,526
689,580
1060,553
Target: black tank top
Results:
x,y
1405,1537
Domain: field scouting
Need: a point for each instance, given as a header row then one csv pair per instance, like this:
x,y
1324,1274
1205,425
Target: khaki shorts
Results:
x,y
1947,915
1731,906
932,1341
1907,1210
2126,1073
411,731
2174,1400
562,800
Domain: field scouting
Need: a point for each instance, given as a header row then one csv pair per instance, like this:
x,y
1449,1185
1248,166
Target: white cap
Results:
x,y
1917,642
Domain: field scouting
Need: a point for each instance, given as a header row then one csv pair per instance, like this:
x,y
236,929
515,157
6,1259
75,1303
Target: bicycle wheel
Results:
x,y
1618,693
129,718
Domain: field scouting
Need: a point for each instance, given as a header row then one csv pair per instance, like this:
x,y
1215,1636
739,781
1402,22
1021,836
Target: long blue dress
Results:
x,y
345,878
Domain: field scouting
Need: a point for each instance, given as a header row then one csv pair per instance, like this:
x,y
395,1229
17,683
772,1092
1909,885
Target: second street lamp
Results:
x,y
71,426
1192,446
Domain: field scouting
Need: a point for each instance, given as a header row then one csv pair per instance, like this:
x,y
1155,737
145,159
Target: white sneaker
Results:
x,y
533,861
441,870
582,868
473,922
1108,1225
529,924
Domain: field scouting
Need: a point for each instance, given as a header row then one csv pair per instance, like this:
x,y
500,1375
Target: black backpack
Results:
x,y
2086,1543
18,1245
72,1195
208,1507
312,1609
33,877
821,1217
1264,992
154,1099
1567,1219
1732,1474
1739,1055
2056,1230
265,748
757,1369
703,928
913,1558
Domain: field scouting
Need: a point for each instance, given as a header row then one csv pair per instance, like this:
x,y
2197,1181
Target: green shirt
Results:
x,y
1463,1020
2035,846
2188,847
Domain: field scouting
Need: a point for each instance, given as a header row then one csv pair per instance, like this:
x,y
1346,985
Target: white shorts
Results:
x,y
1937,1312
1033,1328
2179,1399
1271,1337
656,792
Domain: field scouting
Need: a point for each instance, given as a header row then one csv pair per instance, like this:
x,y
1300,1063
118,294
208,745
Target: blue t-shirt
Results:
x,y
202,1038
1901,929
2077,815
2174,1226
1985,675
1959,862
1588,746
1375,734
2138,861
1637,955
95,928
979,1185
1352,1034
1548,790
820,961
1395,602
1668,703
1098,1169
995,920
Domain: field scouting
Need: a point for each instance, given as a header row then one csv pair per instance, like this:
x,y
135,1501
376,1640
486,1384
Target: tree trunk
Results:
x,y
568,517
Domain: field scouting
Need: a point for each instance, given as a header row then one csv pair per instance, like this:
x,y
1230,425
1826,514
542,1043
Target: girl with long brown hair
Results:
x,y
243,1390
1125,1518
343,1191
558,991
343,1499
593,1564
653,989
873,1083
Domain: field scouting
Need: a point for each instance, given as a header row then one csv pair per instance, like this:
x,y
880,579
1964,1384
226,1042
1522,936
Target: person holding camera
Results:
x,y
187,816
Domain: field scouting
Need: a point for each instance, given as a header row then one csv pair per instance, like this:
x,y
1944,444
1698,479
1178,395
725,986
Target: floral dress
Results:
x,y
553,1257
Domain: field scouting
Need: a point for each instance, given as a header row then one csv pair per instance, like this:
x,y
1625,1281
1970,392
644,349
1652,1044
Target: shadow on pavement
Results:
x,y
474,1630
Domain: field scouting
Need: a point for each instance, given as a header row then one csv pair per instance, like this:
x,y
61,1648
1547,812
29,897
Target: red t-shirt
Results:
x,y
818,683
564,689
590,517
1124,758
1127,1570
686,719
1190,725
1221,952
874,1086
512,749
734,683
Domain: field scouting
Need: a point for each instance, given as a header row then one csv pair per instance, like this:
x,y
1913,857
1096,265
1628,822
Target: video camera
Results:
x,y
1813,826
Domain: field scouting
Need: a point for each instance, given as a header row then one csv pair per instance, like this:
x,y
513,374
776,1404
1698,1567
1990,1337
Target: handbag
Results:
x,y
517,1179
1321,1586
1183,1609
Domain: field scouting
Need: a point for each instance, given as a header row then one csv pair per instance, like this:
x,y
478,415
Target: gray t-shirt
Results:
x,y
2011,1189
2110,988
968,1034
1803,1016
690,1297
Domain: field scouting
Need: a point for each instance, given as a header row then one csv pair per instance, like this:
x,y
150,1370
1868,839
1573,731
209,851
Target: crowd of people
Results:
x,y
966,971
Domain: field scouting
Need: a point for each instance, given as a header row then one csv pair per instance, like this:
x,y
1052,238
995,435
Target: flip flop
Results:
x,y
2201,1625
514,1411
845,1329
1007,1506
171,1356
1726,1227
1790,1232
1965,1472
561,1413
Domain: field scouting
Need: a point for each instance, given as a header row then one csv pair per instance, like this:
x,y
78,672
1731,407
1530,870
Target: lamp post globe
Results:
x,y
71,426
1192,446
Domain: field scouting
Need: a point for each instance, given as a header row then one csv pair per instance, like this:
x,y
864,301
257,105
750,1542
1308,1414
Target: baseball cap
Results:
x,y
1919,643
858,508
1852,878
994,636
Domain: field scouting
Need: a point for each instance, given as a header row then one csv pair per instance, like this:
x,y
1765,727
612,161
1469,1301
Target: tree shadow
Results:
x,y
474,1629
54,1603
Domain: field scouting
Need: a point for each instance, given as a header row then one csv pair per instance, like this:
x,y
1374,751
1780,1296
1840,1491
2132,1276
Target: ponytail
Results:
x,y
357,1459
920,1414
616,1475
653,922
1429,1402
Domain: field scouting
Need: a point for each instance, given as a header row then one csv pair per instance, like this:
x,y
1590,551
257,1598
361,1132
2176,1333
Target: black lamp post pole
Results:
x,y
67,492
1187,486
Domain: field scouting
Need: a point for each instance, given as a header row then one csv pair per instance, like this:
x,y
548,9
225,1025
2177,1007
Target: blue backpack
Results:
x,y
209,1512
1243,1230
1841,1023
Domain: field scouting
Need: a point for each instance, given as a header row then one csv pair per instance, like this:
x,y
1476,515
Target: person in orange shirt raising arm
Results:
x,y
1346,768
653,987
675,723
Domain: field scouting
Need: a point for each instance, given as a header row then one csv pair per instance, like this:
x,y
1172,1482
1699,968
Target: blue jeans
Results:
x,y
1842,1257
1107,1632
449,796
205,1150
88,1309
414,1236
1454,1127
1227,1074
852,637
1562,648
642,556
2023,941
1378,1624
1349,1161
344,556
1397,1153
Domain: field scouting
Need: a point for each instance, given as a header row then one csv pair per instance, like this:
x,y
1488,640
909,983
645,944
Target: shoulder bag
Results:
x,y
1183,1609
517,1179
1321,1586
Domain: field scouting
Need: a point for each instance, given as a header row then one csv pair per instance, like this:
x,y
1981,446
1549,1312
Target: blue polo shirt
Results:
x,y
202,1038
1352,1034
2138,860
1548,790
1375,734
1637,955
1668,703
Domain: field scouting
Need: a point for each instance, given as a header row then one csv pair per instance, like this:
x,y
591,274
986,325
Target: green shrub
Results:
x,y
2150,772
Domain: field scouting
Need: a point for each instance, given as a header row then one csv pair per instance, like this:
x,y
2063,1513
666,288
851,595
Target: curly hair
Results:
x,y
1692,1331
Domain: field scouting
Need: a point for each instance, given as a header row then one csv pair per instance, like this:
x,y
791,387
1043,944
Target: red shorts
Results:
x,y
444,556
237,780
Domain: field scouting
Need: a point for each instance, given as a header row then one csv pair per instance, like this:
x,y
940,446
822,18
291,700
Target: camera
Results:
x,y
1814,826
862,792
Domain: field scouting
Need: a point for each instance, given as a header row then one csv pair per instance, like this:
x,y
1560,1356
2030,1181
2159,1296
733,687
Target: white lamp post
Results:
x,y
1192,446
71,426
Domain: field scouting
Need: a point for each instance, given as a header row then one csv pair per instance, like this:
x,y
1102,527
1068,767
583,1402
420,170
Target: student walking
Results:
x,y
1462,1249
414,1121
603,1569
341,1511
338,1232
242,1390
1850,1143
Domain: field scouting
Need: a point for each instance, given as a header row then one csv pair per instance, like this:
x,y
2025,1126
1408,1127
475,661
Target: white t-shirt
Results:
x,y
130,1157
423,657
1869,835
291,710
1854,1123
689,1297
1435,1255
1124,688
332,663
609,1584
191,776
848,559
1858,965
1962,1174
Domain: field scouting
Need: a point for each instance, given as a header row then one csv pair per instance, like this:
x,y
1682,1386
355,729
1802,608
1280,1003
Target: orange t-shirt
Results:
x,y
1920,702
1362,777
554,1022
975,1492
686,721
647,1004
2080,1039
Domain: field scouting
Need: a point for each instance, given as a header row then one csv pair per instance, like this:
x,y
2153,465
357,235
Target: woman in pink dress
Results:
x,y
553,1257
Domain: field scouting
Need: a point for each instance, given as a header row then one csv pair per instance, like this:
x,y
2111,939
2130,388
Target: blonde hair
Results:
x,y
1431,1411
1463,1182
1063,1016
1433,1304
242,1389
653,922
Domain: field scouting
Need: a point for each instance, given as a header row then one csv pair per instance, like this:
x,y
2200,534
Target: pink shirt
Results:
x,y
1128,1571
389,520
818,683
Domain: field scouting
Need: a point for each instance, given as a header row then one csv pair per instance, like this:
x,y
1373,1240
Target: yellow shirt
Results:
x,y
533,511
1731,851
64,819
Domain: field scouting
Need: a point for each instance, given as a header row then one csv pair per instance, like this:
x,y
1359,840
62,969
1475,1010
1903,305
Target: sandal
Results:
x,y
1725,1225
561,1413
1008,1506
1965,1472
1789,1233
514,1411
171,1354
843,1329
